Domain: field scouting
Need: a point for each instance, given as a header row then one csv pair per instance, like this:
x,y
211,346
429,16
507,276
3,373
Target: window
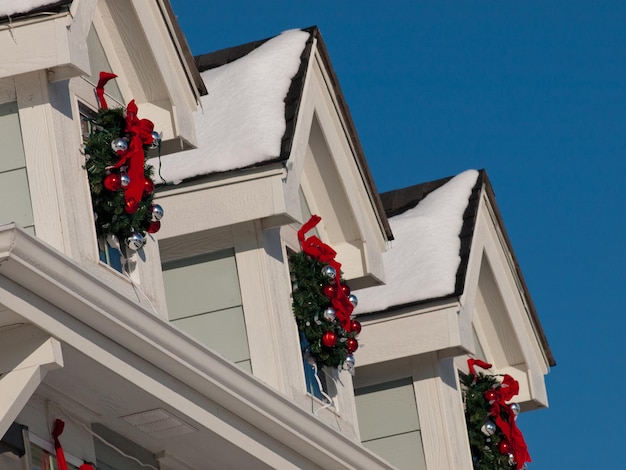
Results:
x,y
15,203
389,423
204,300
108,254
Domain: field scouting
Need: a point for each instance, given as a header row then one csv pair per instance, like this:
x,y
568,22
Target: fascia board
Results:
x,y
413,331
48,274
225,200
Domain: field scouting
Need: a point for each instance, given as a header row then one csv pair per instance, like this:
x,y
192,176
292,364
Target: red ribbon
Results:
x,y
140,133
477,362
316,249
507,390
104,78
60,455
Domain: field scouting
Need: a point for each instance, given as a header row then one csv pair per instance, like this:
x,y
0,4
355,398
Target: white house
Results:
x,y
187,355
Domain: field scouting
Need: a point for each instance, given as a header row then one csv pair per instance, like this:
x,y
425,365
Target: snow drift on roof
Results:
x,y
13,7
424,258
242,120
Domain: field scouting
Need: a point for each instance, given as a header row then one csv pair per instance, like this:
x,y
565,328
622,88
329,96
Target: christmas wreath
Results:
x,y
495,441
121,184
322,303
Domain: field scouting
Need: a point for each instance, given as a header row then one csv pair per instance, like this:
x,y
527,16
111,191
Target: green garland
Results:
x,y
108,206
485,450
309,304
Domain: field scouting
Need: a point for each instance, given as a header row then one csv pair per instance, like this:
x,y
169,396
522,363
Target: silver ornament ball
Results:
x,y
349,363
515,408
329,313
124,180
489,428
156,140
157,212
353,300
329,272
119,145
135,241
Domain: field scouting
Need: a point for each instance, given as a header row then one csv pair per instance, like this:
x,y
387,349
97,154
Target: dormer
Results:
x,y
454,290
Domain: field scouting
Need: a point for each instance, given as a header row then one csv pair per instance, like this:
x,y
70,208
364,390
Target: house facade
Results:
x,y
185,354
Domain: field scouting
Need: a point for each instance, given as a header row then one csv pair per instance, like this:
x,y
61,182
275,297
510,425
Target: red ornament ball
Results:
x,y
329,290
148,186
490,395
154,226
345,289
112,182
329,339
355,326
131,206
352,344
504,447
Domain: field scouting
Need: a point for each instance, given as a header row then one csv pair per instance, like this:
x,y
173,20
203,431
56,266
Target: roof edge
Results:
x,y
364,168
491,195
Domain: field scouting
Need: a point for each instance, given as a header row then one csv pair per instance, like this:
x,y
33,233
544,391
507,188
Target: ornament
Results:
x,y
353,300
156,140
157,212
119,145
329,314
345,289
329,339
124,180
154,226
349,363
512,459
113,241
355,326
329,272
131,206
329,290
515,408
112,182
135,241
490,395
352,344
148,186
504,447
489,428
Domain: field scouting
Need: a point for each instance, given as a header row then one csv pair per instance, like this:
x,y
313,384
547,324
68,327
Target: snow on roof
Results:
x,y
242,119
424,258
13,7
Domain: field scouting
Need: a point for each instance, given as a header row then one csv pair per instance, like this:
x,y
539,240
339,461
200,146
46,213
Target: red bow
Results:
x,y
316,249
140,134
104,78
60,455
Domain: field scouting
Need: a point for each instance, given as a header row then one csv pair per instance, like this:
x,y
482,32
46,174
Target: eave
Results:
x,y
33,275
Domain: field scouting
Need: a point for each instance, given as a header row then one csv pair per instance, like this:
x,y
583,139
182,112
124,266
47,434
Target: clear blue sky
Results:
x,y
532,91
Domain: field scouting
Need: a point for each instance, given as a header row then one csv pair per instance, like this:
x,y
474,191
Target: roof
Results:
x,y
224,142
11,9
399,203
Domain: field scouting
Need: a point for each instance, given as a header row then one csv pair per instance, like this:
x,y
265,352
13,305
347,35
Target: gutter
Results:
x,y
50,275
